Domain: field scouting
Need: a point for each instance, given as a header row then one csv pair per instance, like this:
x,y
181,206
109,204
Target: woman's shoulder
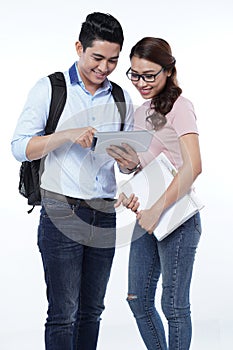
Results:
x,y
183,102
182,114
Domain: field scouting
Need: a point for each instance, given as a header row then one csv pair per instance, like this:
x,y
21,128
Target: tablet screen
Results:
x,y
138,140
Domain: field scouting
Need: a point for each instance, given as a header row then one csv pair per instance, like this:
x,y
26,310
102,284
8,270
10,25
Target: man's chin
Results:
x,y
99,77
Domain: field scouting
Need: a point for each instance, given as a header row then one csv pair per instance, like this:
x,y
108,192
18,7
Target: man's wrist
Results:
x,y
134,169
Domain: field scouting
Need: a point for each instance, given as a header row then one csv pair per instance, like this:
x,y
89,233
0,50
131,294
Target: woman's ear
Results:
x,y
79,48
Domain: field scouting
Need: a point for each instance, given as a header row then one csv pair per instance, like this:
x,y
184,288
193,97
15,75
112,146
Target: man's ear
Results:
x,y
79,48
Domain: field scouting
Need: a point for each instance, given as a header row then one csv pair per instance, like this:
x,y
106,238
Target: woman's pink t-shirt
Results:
x,y
181,120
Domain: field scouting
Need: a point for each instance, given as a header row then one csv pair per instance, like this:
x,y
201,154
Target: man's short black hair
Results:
x,y
100,26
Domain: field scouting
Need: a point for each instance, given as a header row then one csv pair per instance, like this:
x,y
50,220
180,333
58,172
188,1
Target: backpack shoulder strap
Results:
x,y
58,100
119,98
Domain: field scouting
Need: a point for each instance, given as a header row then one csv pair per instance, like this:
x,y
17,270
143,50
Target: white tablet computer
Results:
x,y
139,140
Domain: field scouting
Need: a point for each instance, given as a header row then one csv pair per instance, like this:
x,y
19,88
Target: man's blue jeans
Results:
x,y
173,258
77,260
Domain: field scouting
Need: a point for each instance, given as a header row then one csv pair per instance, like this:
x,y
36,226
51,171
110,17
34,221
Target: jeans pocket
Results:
x,y
54,209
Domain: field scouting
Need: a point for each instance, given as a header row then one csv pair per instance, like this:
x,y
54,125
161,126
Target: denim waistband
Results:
x,y
71,200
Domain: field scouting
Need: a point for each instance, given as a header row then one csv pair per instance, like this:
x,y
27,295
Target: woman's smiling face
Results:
x,y
141,66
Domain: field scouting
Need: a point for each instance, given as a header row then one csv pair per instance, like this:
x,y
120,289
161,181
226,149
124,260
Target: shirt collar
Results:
x,y
74,75
76,79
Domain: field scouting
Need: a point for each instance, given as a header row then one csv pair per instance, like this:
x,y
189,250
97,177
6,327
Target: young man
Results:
x,y
76,234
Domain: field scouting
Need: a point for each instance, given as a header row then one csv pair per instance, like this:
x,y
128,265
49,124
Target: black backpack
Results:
x,y
30,172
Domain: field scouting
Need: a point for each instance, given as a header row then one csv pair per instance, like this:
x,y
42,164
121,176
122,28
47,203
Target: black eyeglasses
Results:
x,y
149,78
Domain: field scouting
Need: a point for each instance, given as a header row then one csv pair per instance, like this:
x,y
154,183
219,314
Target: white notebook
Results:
x,y
150,183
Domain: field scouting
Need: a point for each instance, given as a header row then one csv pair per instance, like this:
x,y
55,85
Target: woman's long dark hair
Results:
x,y
158,51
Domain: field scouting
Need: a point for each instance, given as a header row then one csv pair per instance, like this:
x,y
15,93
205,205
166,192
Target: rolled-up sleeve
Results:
x,y
33,118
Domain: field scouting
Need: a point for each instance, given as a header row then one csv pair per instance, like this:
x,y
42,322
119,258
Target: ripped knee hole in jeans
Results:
x,y
131,297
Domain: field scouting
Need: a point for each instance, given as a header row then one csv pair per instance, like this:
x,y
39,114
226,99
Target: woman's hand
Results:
x,y
148,219
130,203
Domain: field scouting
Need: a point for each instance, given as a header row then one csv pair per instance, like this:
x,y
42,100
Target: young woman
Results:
x,y
172,116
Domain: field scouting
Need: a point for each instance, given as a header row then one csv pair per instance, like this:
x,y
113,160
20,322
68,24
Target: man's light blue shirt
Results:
x,y
70,169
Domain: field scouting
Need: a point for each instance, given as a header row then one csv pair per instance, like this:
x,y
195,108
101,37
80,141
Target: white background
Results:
x,y
37,38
